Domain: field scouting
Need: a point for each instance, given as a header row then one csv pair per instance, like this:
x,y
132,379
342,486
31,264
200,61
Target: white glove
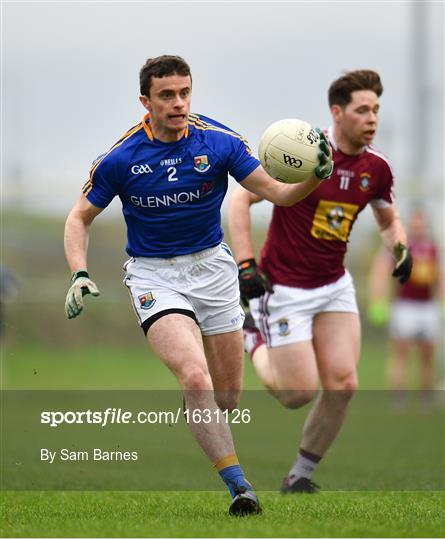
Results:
x,y
81,285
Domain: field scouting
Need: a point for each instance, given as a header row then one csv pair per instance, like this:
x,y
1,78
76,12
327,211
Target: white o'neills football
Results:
x,y
289,150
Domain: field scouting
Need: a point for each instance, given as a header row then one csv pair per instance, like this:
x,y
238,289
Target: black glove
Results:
x,y
253,282
404,263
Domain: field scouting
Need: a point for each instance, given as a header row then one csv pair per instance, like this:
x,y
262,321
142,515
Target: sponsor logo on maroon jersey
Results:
x,y
335,217
333,220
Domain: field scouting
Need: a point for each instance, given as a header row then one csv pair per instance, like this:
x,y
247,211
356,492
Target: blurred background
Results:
x,y
70,89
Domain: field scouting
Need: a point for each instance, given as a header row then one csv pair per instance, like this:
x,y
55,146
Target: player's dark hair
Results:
x,y
363,79
161,66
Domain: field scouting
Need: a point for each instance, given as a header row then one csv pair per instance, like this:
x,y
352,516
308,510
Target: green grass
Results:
x,y
195,514
403,453
87,367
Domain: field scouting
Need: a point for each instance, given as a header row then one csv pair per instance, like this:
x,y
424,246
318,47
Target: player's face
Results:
x,y
357,121
169,106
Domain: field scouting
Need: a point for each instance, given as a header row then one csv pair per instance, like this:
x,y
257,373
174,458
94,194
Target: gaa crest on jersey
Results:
x,y
365,181
283,327
146,300
201,163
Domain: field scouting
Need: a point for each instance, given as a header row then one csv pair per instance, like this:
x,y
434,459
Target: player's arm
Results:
x,y
266,187
77,228
240,224
253,281
394,239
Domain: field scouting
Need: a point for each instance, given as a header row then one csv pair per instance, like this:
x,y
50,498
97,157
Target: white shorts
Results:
x,y
415,320
286,316
203,286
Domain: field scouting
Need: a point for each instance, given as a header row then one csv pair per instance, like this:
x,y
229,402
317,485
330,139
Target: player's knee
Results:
x,y
196,379
345,385
293,399
350,385
228,399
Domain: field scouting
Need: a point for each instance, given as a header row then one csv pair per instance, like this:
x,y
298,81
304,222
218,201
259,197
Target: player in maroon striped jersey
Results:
x,y
415,314
301,296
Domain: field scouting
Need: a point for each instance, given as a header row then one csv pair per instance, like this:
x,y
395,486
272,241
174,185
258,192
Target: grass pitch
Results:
x,y
204,514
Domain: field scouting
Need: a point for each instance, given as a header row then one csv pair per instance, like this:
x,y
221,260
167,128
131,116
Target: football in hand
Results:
x,y
289,150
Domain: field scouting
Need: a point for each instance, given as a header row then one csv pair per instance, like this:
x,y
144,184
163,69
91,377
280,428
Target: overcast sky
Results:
x,y
70,79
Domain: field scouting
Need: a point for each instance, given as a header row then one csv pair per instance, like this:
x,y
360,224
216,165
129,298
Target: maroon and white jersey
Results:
x,y
425,274
306,243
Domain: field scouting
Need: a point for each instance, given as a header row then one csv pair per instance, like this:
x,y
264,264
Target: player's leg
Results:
x,y
426,357
280,344
213,291
293,379
288,372
396,371
337,348
336,341
294,372
215,296
169,320
256,349
176,339
288,366
429,328
427,350
397,363
224,353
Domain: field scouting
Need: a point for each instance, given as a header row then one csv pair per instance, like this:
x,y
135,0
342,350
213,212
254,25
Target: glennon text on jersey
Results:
x,y
183,197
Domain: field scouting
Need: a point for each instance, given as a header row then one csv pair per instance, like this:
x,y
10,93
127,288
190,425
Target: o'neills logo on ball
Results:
x,y
201,163
312,136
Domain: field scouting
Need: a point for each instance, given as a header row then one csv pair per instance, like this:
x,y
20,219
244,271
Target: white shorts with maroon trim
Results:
x,y
415,320
203,286
286,316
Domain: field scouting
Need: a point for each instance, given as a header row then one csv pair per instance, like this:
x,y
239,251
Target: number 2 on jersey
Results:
x,y
172,173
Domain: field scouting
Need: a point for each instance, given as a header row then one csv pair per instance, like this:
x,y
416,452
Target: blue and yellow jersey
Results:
x,y
171,193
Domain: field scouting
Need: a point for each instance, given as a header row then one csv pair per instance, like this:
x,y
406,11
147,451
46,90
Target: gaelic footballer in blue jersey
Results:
x,y
170,172
171,192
